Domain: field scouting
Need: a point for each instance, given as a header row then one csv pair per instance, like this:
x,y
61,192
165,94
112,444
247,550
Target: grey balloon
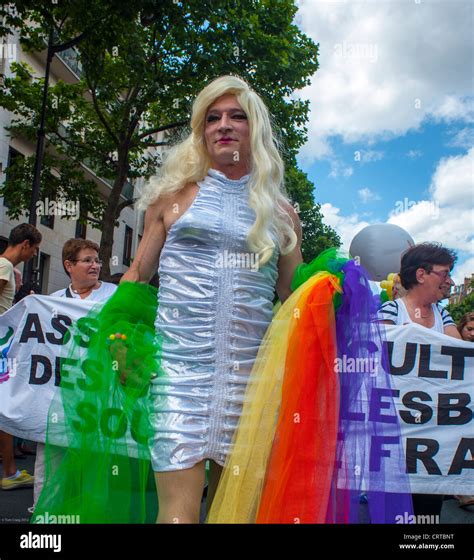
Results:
x,y
379,248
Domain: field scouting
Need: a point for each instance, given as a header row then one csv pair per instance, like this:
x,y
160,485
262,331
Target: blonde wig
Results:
x,y
189,161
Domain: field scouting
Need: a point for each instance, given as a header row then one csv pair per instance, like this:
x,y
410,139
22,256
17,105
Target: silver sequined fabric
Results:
x,y
214,307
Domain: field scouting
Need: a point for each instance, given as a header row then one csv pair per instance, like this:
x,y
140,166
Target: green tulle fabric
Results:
x,y
97,458
331,260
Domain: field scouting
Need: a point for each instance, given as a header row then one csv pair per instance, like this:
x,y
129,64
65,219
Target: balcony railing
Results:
x,y
71,59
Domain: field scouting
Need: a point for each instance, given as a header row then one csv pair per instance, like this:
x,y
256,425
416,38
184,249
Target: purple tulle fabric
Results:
x,y
371,465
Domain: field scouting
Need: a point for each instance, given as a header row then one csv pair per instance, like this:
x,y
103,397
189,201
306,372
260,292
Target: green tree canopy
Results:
x,y
142,65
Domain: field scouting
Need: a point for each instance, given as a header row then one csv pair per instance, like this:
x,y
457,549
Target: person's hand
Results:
x,y
118,351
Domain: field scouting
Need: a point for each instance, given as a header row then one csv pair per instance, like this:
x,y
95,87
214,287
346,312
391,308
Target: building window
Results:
x,y
47,220
41,272
127,246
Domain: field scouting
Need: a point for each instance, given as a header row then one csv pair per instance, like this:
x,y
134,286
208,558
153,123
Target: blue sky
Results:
x,y
391,125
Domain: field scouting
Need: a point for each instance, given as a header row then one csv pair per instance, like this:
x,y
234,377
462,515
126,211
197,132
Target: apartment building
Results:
x,y
58,229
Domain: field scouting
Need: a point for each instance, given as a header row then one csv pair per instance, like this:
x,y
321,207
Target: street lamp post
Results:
x,y
30,276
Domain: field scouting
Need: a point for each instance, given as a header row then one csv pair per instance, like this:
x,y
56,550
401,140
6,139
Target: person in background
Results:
x,y
425,274
81,263
466,330
23,244
21,447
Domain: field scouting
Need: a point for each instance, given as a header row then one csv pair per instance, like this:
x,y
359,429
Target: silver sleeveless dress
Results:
x,y
214,307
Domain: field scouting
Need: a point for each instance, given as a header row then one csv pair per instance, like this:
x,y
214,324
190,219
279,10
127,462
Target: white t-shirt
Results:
x,y
106,290
8,292
397,312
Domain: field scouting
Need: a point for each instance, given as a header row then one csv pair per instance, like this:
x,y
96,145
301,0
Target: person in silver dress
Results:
x,y
224,237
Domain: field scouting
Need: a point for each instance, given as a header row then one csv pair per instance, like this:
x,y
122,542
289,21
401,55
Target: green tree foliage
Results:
x,y
143,62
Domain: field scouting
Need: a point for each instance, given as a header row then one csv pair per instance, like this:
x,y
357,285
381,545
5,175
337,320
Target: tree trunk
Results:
x,y
109,219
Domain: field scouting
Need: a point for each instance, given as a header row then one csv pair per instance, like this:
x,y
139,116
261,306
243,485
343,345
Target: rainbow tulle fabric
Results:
x,y
308,445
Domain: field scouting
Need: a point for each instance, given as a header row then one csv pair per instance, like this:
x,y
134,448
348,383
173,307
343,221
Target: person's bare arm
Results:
x,y
288,263
451,330
145,263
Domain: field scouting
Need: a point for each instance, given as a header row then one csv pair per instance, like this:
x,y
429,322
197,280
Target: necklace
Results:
x,y
87,290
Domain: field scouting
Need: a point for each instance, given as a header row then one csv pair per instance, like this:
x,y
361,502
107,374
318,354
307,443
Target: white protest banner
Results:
x,y
32,337
432,377
35,344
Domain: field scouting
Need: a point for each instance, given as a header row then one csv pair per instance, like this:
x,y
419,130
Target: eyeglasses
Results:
x,y
444,275
89,261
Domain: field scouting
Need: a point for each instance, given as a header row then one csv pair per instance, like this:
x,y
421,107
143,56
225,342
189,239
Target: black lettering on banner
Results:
x,y
88,413
460,462
458,356
93,376
32,329
425,456
424,409
36,361
445,407
62,329
377,451
424,367
408,361
121,421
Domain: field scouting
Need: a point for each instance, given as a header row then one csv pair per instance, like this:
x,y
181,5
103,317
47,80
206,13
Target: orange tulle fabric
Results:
x,y
299,474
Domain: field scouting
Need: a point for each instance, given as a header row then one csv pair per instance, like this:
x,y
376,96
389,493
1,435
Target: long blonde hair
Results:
x,y
189,162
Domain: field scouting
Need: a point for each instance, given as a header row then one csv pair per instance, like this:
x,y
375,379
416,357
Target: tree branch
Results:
x,y
106,159
100,114
161,128
123,205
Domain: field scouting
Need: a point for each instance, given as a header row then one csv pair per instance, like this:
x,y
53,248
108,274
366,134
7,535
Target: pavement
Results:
x,y
14,504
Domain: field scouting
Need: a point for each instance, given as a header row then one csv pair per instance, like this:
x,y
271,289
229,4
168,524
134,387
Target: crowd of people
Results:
x,y
226,180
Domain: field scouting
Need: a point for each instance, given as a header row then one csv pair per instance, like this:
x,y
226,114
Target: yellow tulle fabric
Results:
x,y
240,489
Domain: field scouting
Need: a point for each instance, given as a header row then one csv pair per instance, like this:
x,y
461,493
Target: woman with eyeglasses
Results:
x,y
425,274
81,263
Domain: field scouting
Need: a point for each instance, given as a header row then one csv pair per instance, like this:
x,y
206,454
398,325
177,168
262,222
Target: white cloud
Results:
x,y
452,183
463,138
414,154
366,156
448,217
384,68
366,195
453,108
346,226
338,169
463,270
